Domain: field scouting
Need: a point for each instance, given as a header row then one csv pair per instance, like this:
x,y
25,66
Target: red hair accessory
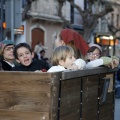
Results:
x,y
68,35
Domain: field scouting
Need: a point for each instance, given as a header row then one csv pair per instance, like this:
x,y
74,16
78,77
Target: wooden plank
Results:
x,y
71,83
110,117
17,115
107,114
69,102
89,104
86,72
24,82
70,99
54,96
70,111
90,82
70,92
71,117
90,114
90,95
25,101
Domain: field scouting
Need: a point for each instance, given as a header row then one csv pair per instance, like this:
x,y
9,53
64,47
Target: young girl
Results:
x,y
68,37
63,59
95,58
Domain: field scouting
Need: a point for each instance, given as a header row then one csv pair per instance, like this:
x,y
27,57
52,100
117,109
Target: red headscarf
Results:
x,y
68,35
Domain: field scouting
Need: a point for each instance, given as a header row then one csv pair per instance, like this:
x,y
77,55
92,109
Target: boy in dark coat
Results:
x,y
24,56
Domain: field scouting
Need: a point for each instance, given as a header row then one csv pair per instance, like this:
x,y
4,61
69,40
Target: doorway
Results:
x,y
37,36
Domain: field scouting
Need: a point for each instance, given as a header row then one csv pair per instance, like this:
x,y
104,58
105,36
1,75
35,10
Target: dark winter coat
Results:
x,y
35,65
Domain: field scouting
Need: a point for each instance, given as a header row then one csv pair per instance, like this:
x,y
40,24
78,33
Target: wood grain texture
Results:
x,y
28,95
72,95
17,115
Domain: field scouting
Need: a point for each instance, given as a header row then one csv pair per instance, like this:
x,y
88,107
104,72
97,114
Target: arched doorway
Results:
x,y
37,36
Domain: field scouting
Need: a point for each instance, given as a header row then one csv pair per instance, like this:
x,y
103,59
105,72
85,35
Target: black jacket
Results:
x,y
35,65
5,66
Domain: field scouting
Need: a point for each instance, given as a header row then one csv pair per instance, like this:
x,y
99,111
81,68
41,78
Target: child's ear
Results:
x,y
33,54
61,62
17,60
62,42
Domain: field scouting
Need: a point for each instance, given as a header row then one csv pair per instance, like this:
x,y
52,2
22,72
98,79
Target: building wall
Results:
x,y
108,19
49,8
44,15
49,29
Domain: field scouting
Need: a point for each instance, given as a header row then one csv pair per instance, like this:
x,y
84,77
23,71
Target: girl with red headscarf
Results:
x,y
75,40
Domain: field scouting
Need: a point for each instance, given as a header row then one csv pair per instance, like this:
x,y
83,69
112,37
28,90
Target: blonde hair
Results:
x,y
61,53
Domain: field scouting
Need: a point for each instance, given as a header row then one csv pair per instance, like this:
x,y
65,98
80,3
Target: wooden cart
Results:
x,y
70,95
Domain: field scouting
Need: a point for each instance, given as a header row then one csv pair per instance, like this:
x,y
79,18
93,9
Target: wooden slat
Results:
x,y
70,111
106,114
24,82
17,115
90,114
110,117
25,101
71,117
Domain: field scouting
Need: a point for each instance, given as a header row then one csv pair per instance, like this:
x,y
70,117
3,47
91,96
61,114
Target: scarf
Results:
x,y
68,35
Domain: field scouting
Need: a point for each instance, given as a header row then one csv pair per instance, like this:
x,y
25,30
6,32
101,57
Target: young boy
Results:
x,y
24,56
63,59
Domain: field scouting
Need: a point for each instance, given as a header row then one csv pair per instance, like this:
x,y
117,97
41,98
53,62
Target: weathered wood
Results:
x,y
17,115
27,95
69,95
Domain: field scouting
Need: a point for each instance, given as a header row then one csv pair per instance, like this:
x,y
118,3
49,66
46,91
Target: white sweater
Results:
x,y
94,63
81,64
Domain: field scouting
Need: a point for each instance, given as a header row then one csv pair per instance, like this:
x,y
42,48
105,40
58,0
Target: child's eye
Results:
x,y
20,55
27,53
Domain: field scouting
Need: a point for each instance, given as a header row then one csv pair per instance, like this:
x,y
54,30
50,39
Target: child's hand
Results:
x,y
38,71
115,61
74,67
111,65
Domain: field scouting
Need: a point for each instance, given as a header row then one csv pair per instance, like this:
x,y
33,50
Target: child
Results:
x,y
69,37
24,56
63,59
95,58
7,57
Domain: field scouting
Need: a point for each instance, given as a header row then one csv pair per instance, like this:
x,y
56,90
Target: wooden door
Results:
x,y
37,36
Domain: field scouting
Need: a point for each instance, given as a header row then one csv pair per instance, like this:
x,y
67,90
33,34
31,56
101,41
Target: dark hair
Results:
x,y
42,51
92,49
19,46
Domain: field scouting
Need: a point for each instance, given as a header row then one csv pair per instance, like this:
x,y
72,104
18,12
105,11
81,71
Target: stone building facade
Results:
x,y
43,24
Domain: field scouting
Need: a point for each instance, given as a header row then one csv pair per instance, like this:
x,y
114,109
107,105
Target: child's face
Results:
x,y
93,55
8,53
58,42
68,62
24,56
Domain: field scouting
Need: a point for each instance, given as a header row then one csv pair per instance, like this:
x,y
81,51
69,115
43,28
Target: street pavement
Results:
x,y
117,109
